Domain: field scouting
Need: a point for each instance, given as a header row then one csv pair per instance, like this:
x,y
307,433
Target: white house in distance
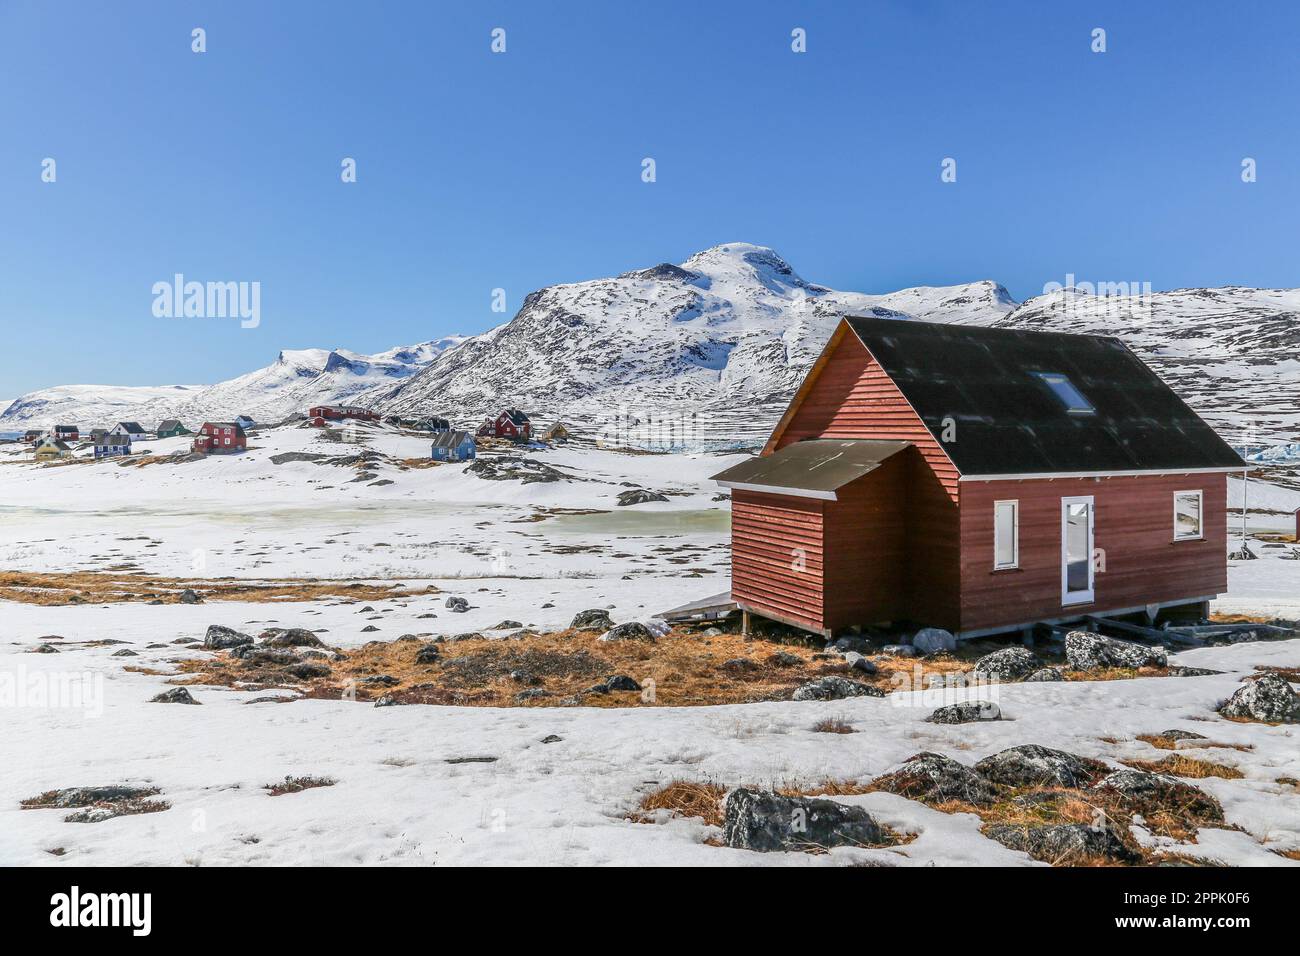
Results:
x,y
108,444
132,430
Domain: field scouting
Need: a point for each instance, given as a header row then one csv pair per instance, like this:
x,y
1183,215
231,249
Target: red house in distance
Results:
x,y
318,415
219,438
511,423
979,480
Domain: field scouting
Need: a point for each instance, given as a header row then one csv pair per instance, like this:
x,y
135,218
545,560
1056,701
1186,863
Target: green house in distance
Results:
x,y
171,428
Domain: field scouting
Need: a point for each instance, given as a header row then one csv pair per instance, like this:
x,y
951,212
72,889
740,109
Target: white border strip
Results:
x,y
775,490
1036,476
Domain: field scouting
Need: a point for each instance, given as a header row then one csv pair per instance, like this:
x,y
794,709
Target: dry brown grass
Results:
x,y
100,587
1289,854
1171,743
1291,674
1115,673
682,668
826,787
297,785
1184,766
833,725
684,798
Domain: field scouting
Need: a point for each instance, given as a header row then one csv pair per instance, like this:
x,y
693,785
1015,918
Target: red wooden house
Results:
x,y
510,423
219,438
980,480
318,415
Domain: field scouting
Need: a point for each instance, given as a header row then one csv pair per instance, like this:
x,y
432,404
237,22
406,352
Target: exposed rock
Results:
x,y
43,649
739,665
514,468
594,619
1267,698
1151,793
934,778
899,650
1087,651
785,659
1008,664
1031,765
931,640
631,631
1180,671
1044,675
177,695
457,604
428,654
1180,735
616,682
1065,844
552,739
834,688
369,629
763,821
533,693
308,670
849,642
124,652
859,663
190,596
966,712
639,496
380,680
219,637
260,656
506,626
290,637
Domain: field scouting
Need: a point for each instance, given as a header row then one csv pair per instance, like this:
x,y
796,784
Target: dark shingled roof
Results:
x,y
449,439
1007,420
814,468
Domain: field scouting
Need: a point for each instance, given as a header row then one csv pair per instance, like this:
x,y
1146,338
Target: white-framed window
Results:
x,y
1188,516
1006,535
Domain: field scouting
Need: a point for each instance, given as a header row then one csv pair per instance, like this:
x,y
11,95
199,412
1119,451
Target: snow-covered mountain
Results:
x,y
1232,353
296,380
703,353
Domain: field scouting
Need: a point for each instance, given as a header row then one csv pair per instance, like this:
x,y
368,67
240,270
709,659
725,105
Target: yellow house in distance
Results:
x,y
50,448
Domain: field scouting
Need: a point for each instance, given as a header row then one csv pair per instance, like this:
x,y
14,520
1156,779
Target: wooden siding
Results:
x,y
853,397
866,547
1133,528
776,549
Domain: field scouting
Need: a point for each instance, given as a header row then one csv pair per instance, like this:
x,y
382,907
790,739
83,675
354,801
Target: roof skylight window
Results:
x,y
1067,393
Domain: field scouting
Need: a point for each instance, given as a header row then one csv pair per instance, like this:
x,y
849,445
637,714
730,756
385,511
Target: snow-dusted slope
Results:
x,y
1233,353
296,380
703,353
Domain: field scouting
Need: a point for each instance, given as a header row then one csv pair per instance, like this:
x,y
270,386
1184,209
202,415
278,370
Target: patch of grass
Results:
x,y
1289,854
827,787
1291,674
1288,782
833,725
1114,673
99,587
297,785
1171,743
1184,766
685,798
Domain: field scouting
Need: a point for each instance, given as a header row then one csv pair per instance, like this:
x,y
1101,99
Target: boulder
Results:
x,y
428,654
739,665
1044,675
1267,698
834,688
616,682
1031,765
290,637
763,821
43,649
457,604
639,496
1180,671
219,637
899,650
932,640
260,656
533,693
859,663
934,778
966,712
1087,651
1008,664
506,626
124,652
785,659
1151,793
178,695
190,596
631,631
593,619
1068,844
849,642
308,670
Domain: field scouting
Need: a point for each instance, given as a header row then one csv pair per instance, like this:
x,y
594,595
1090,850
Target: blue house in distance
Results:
x,y
453,446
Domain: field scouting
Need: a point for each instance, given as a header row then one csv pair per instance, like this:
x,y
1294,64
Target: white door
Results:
x,y
1076,550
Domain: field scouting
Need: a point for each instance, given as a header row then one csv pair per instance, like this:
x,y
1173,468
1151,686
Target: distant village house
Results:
x,y
67,432
172,428
49,447
511,423
109,444
453,446
220,438
132,430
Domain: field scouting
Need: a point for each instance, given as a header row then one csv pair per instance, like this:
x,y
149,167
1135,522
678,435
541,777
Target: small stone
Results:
x,y
552,739
834,688
428,654
219,637
124,652
859,663
1044,675
899,650
190,596
966,712
785,659
43,649
177,695
932,640
506,626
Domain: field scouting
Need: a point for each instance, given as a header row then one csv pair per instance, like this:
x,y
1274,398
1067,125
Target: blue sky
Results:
x,y
478,171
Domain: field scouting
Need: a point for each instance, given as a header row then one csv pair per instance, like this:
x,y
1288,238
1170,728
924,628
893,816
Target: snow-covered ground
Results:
x,y
511,549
